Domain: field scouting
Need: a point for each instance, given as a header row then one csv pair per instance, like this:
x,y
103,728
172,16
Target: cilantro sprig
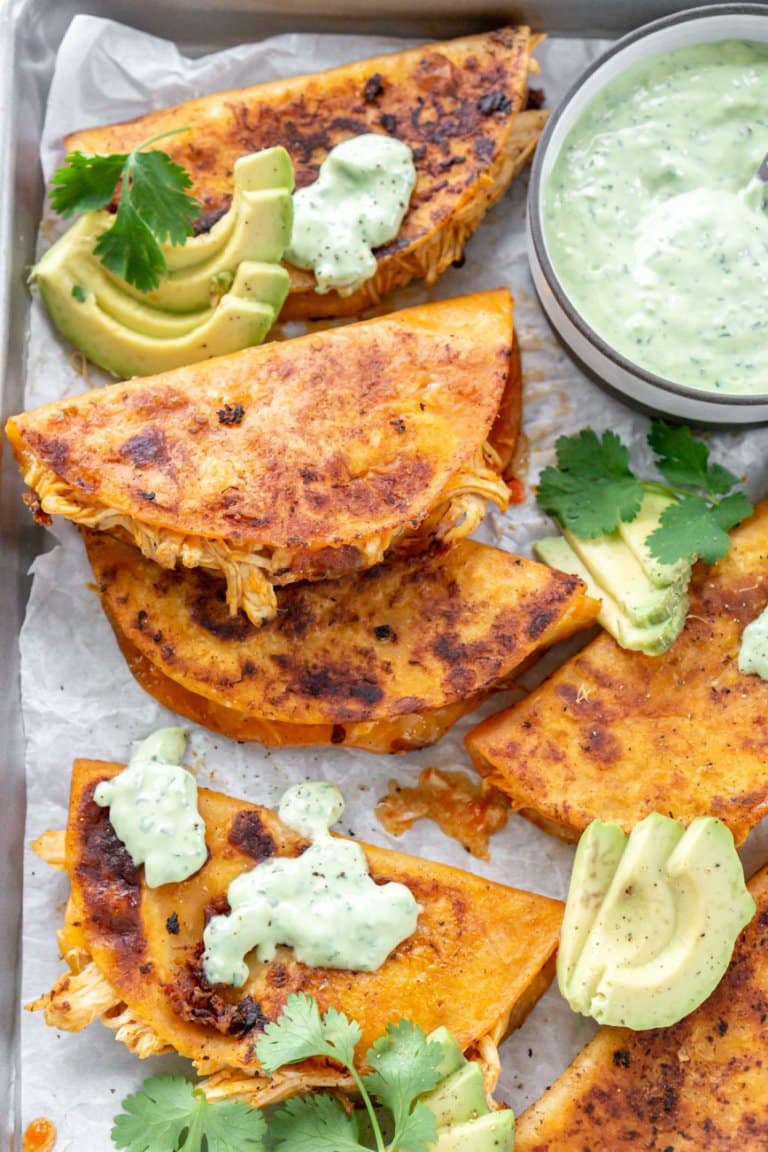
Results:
x,y
154,206
404,1064
593,489
170,1115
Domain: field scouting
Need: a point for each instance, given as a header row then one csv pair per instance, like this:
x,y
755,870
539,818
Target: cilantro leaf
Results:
x,y
154,206
314,1124
418,1131
300,1033
404,1064
684,461
688,529
158,196
170,1115
86,183
585,453
592,489
731,511
232,1126
130,250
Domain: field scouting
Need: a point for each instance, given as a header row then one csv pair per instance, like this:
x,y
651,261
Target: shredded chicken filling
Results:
x,y
251,576
76,1000
83,995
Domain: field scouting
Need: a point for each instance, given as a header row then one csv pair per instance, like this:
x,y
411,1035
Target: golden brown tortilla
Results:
x,y
615,735
410,645
306,459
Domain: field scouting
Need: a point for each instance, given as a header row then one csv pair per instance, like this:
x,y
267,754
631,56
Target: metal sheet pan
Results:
x,y
30,32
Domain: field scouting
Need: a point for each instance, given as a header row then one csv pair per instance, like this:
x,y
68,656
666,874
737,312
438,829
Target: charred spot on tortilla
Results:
x,y
374,86
146,449
231,414
339,684
51,449
493,102
249,836
217,620
110,879
193,999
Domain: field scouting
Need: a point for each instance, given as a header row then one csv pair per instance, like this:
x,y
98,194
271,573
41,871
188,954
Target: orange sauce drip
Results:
x,y
39,1136
517,470
464,810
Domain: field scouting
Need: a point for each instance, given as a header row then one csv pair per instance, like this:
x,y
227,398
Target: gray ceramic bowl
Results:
x,y
636,384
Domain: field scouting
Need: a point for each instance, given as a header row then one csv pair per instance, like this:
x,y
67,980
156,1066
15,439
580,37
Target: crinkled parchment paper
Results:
x,y
78,696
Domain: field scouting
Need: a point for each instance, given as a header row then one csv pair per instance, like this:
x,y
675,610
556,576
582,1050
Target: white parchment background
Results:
x,y
78,696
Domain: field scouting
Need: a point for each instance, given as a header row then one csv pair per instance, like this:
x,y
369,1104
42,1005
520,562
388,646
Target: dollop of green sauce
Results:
x,y
323,904
153,810
356,204
753,650
655,220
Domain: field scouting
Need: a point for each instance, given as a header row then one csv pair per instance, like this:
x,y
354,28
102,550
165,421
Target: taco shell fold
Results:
x,y
299,460
384,660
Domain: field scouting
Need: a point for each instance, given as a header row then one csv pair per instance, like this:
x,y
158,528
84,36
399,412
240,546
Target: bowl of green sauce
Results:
x,y
648,216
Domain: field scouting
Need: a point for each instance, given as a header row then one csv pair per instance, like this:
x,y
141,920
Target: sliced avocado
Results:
x,y
597,857
453,1057
651,639
615,568
492,1133
91,280
75,261
259,283
635,535
459,1097
243,317
257,229
271,168
261,233
663,935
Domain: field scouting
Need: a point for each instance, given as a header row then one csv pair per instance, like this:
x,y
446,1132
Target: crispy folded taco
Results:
x,y
386,660
479,959
298,460
615,735
700,1085
460,106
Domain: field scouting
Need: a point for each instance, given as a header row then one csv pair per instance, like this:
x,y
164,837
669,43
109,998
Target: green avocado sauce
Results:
x,y
153,810
753,650
323,904
655,220
356,204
